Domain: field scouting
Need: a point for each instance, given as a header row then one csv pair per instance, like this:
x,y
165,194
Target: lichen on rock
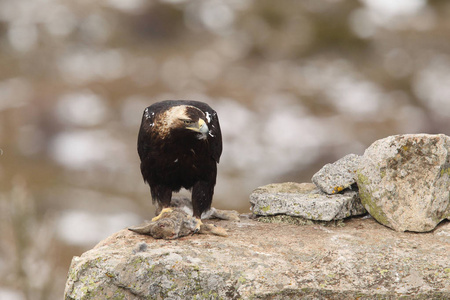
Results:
x,y
304,200
267,261
338,176
403,182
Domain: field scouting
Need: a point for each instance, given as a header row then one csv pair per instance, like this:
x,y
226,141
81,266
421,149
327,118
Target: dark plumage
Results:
x,y
179,145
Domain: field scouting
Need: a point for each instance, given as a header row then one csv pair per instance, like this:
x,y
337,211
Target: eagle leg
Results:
x,y
202,194
163,196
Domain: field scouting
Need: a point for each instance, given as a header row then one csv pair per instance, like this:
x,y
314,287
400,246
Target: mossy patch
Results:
x,y
445,170
286,188
285,219
265,208
366,200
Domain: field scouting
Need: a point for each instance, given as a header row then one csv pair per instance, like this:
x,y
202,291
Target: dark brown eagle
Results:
x,y
179,145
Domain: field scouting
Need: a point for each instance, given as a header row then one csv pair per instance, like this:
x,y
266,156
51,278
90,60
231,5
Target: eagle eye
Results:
x,y
188,122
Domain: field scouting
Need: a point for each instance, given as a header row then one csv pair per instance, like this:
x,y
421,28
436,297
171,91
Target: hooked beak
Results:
x,y
200,127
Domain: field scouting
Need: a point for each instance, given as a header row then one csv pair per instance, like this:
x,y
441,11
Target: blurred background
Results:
x,y
296,84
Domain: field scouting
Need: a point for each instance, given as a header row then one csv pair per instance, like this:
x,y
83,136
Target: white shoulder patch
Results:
x,y
208,117
147,114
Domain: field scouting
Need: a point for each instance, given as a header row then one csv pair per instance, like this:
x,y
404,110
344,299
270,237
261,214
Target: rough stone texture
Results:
x,y
362,260
304,200
334,178
404,181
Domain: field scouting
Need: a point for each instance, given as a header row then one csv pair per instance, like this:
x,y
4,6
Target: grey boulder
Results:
x,y
404,181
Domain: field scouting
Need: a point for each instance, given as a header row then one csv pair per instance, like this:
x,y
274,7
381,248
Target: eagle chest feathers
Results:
x,y
179,144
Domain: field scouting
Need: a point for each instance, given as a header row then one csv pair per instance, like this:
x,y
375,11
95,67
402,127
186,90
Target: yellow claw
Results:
x,y
199,224
164,210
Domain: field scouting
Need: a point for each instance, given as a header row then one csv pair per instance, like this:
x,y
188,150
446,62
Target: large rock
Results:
x,y
304,200
267,261
336,177
404,181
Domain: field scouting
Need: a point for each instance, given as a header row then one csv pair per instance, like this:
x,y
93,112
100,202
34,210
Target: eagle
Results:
x,y
179,145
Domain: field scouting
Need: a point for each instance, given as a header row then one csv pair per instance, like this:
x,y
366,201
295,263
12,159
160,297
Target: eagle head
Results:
x,y
185,117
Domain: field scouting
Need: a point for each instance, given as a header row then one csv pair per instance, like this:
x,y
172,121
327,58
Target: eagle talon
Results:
x,y
163,211
198,226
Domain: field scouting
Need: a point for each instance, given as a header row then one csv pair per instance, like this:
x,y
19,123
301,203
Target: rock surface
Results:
x,y
362,260
404,181
304,200
334,178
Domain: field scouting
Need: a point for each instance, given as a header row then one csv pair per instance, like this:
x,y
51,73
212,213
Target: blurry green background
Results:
x,y
296,84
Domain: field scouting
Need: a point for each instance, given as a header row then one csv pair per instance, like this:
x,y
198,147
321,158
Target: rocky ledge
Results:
x,y
360,260
402,181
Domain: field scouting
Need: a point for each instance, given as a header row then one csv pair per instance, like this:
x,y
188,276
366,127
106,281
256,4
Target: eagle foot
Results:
x,y
163,211
198,226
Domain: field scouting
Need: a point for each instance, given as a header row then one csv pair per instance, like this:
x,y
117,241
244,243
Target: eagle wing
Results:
x,y
144,136
215,137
